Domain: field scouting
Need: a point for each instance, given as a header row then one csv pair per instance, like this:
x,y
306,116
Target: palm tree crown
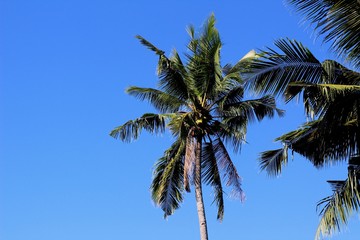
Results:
x,y
202,103
331,96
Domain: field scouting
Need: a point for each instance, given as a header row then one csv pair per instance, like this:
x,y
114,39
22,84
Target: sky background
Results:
x,y
64,66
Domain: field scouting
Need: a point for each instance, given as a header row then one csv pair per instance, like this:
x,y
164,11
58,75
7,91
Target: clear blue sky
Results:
x,y
64,67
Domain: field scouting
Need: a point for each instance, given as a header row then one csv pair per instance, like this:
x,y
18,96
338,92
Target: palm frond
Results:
x,y
150,45
228,168
274,160
319,97
321,142
233,95
172,76
160,100
337,208
211,176
255,109
204,63
233,130
338,21
153,123
272,72
167,185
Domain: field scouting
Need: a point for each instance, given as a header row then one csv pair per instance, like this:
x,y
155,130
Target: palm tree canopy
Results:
x,y
338,21
331,96
198,100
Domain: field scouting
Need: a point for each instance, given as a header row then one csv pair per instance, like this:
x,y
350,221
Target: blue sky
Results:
x,y
64,66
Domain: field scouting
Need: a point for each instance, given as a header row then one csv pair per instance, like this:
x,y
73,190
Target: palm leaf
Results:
x,y
167,184
322,143
172,76
319,97
150,45
160,100
211,176
228,168
337,208
204,63
272,72
338,21
153,123
255,109
274,160
232,130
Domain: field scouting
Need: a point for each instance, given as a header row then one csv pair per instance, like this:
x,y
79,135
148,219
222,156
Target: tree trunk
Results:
x,y
198,192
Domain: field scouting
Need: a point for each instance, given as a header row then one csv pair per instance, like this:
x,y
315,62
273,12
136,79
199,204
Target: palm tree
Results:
x,y
331,96
203,106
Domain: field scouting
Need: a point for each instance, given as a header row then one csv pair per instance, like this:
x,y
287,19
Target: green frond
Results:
x,y
338,21
272,72
274,160
160,100
153,123
337,208
228,169
319,97
211,176
204,66
172,77
230,96
255,109
150,45
233,130
167,185
321,142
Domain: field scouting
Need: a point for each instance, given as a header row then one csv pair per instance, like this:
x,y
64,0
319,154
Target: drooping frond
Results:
x,y
337,81
232,131
272,72
337,208
273,161
160,100
211,176
338,21
228,169
153,123
318,97
322,143
167,185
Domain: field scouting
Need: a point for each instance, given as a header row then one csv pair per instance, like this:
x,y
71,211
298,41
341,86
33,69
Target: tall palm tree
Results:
x,y
202,103
331,96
